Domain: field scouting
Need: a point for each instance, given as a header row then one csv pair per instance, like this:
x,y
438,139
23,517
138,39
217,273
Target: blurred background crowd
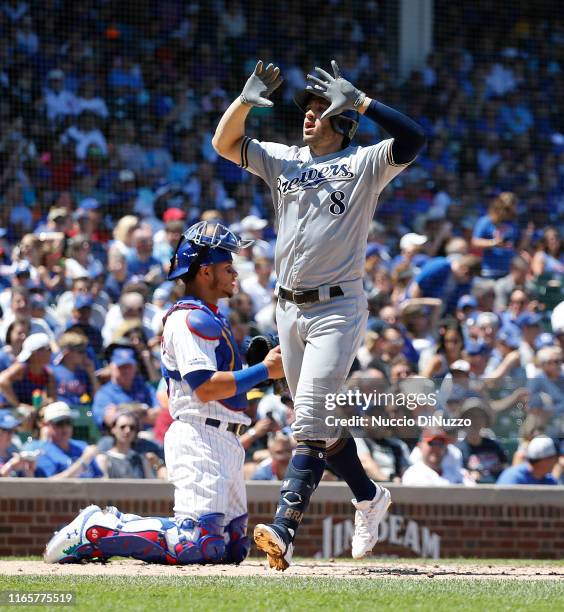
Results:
x,y
107,112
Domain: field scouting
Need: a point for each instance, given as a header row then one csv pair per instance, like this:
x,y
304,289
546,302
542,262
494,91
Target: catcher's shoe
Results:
x,y
70,544
276,544
368,516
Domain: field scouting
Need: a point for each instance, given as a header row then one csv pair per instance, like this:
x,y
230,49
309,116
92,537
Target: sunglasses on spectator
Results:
x,y
65,423
556,361
127,426
437,443
8,431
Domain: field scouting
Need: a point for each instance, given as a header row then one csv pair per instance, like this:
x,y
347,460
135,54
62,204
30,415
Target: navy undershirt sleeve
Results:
x,y
409,137
198,377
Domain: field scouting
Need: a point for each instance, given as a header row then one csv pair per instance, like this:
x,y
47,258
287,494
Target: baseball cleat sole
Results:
x,y
278,554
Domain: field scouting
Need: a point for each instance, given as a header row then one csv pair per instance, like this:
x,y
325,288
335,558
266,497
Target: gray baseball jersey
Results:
x,y
324,206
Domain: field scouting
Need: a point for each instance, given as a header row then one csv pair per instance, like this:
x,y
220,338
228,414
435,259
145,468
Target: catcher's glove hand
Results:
x,y
257,349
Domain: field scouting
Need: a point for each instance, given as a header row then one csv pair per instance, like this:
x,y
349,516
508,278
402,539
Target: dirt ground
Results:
x,y
302,568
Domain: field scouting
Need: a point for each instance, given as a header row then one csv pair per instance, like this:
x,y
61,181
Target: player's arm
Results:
x,y
409,137
230,131
223,385
195,351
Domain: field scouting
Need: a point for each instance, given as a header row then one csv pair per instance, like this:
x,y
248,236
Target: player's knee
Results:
x,y
238,544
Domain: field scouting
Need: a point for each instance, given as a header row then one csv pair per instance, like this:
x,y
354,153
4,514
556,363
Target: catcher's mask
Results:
x,y
204,244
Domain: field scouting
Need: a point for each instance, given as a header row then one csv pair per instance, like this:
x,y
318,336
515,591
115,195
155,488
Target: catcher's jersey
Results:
x,y
324,207
188,347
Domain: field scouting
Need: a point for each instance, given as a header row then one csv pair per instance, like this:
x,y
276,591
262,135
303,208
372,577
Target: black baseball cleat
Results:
x,y
276,542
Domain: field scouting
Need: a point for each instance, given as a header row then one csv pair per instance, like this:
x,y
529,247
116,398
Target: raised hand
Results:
x,y
341,94
260,85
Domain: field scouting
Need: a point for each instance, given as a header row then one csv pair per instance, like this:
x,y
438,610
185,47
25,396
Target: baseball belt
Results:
x,y
236,428
310,296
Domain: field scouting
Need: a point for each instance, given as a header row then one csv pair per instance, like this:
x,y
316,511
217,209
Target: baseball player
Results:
x,y
207,398
325,195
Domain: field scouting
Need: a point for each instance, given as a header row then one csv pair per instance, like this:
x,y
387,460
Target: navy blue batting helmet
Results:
x,y
204,244
346,123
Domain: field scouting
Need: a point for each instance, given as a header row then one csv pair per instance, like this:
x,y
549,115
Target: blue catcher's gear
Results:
x,y
204,244
346,123
97,534
239,543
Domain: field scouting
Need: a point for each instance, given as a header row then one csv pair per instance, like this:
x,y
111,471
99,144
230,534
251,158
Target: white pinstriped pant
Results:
x,y
205,465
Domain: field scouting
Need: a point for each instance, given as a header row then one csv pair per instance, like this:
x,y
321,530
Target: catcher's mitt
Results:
x,y
257,349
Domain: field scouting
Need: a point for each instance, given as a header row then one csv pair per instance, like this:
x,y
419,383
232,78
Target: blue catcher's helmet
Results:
x,y
346,123
204,244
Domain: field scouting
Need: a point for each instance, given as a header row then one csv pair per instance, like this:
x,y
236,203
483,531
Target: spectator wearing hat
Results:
x,y
465,307
542,455
81,285
131,333
60,103
165,245
419,318
125,385
81,315
42,311
121,460
29,373
504,364
551,379
427,467
516,279
445,279
13,463
412,252
19,275
62,457
74,370
482,456
530,325
497,235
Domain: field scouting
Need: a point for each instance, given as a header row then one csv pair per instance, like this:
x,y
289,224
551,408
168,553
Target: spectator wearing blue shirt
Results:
x,y
81,314
141,263
12,463
62,457
74,370
497,235
445,279
125,386
542,456
274,467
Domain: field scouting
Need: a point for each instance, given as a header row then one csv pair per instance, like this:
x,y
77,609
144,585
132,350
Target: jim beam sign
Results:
x,y
394,529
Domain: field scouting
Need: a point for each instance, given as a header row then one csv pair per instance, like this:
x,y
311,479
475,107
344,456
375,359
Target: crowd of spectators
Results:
x,y
107,112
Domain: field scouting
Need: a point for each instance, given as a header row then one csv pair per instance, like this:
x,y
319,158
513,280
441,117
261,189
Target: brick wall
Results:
x,y
508,522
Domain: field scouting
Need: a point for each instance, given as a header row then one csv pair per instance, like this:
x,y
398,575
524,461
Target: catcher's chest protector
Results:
x,y
227,353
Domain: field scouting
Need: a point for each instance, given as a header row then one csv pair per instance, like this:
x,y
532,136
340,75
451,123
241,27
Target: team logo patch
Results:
x,y
314,177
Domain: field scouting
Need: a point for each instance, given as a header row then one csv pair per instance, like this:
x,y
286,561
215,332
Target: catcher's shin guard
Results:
x,y
239,544
144,539
202,541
